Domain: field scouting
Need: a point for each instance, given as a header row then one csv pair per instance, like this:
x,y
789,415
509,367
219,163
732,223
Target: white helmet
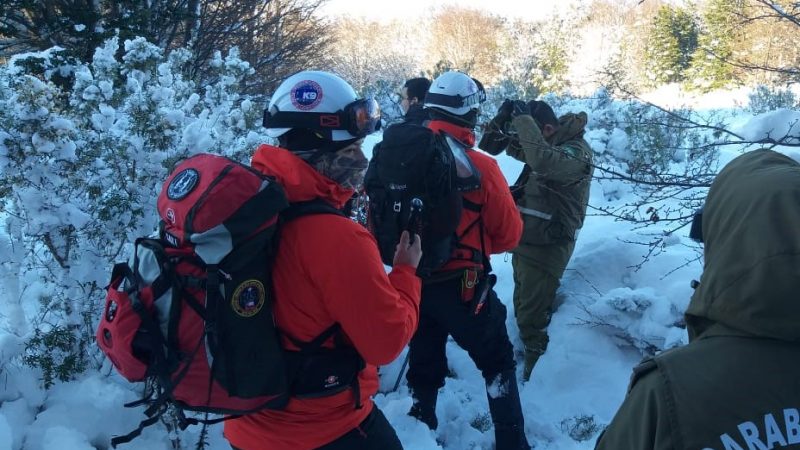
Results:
x,y
323,102
454,92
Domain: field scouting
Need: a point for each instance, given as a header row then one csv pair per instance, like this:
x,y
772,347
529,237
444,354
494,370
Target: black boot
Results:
x,y
509,425
424,407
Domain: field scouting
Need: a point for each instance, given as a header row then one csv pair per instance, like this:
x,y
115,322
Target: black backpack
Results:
x,y
191,313
414,182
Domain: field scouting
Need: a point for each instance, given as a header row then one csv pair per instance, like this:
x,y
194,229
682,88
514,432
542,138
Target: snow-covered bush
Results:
x,y
658,138
640,318
83,151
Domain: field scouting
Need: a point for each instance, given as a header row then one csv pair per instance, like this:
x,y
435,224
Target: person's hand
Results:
x,y
520,108
408,253
506,108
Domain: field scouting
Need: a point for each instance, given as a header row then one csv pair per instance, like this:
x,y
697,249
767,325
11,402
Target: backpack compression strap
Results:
x,y
309,349
157,406
160,372
477,255
294,211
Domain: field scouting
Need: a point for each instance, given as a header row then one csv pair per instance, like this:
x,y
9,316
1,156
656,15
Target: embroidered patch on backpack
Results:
x,y
248,298
183,184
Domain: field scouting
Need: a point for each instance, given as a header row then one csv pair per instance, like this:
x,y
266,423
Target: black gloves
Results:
x,y
520,108
513,108
505,110
494,139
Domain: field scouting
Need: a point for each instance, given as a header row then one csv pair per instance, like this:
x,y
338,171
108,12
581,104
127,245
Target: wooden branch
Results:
x,y
48,242
779,11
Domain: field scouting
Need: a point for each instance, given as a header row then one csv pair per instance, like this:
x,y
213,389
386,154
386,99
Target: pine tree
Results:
x,y
671,43
719,35
554,54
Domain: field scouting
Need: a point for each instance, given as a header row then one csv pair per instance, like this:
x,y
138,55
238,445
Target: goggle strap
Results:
x,y
455,101
340,120
295,119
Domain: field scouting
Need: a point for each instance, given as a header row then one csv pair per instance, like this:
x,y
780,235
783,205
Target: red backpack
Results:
x,y
192,311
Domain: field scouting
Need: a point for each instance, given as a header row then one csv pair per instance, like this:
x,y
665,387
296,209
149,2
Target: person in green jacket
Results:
x,y
552,194
736,385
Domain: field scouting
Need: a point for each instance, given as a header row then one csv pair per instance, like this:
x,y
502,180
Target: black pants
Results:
x,y
483,336
373,433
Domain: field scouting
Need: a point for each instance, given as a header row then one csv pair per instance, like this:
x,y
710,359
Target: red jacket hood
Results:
x,y
465,135
300,181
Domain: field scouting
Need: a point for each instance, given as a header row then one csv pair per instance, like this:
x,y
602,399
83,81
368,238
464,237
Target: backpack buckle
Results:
x,y
397,207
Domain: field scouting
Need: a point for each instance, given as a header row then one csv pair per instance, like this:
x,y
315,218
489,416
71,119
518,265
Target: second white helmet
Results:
x,y
454,92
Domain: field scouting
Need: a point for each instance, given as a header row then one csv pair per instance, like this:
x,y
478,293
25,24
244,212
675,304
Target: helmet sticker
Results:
x,y
248,298
183,184
306,95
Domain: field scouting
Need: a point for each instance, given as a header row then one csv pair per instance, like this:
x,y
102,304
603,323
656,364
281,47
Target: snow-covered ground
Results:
x,y
575,390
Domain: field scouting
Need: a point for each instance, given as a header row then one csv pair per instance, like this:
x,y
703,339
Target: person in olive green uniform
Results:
x,y
552,194
736,385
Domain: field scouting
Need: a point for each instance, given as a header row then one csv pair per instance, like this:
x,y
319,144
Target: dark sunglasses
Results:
x,y
358,118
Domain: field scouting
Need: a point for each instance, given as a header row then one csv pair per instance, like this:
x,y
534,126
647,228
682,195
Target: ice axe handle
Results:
x,y
413,219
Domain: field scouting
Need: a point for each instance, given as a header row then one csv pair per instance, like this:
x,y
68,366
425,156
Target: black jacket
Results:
x,y
416,115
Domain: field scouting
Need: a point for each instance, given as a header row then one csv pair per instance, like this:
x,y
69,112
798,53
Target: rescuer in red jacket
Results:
x,y
328,269
453,302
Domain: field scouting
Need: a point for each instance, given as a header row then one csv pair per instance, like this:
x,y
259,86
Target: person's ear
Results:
x,y
548,130
412,101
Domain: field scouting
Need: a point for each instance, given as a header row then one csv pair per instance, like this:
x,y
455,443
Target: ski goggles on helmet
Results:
x,y
456,101
358,118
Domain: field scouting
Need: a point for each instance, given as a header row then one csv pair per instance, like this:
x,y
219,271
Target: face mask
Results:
x,y
346,167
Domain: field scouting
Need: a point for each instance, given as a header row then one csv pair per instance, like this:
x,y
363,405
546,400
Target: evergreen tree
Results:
x,y
719,35
671,43
554,55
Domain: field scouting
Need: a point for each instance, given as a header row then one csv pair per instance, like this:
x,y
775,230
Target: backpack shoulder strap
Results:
x,y
470,205
316,206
